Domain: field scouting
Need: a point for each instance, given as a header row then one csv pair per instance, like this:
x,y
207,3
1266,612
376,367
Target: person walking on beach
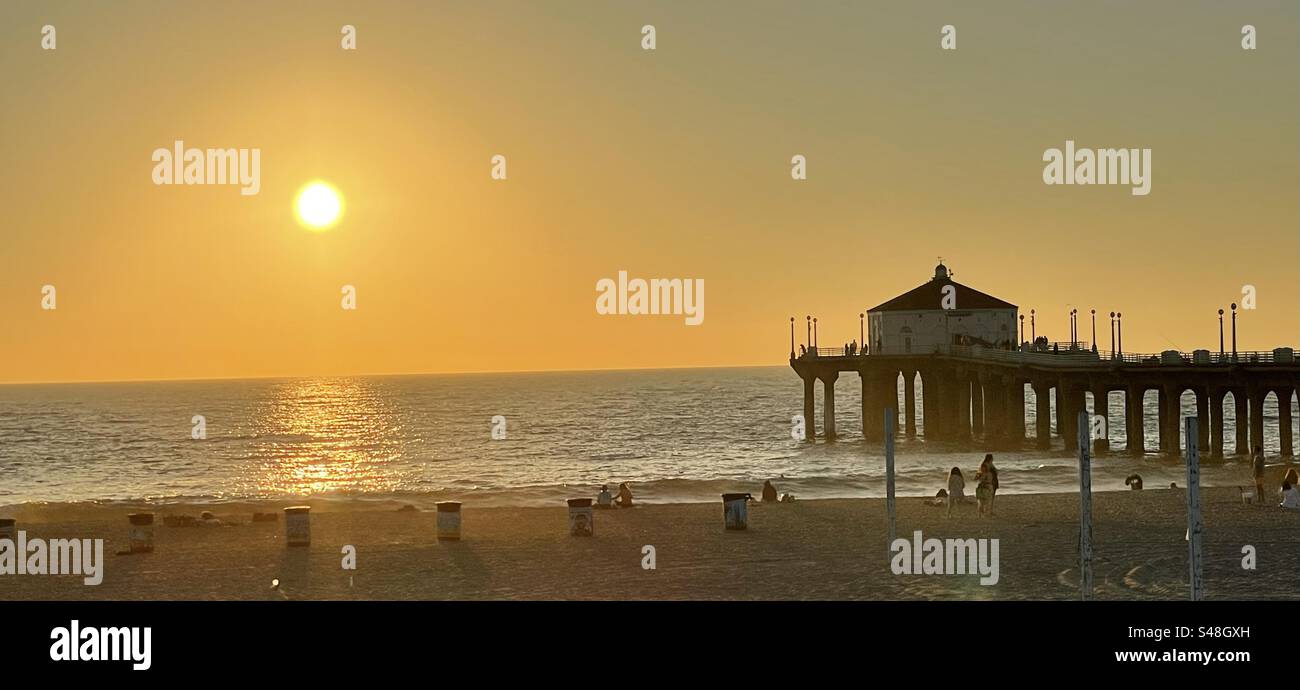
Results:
x,y
624,496
1258,462
986,485
956,488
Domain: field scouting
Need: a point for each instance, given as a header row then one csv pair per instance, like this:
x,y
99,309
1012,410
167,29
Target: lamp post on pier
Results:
x,y
1033,330
1221,353
808,337
1112,335
814,331
1094,330
862,332
1119,327
791,337
1022,328
1234,331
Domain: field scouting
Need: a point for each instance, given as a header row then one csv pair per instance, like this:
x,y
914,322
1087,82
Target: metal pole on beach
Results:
x,y
1194,526
1085,510
889,480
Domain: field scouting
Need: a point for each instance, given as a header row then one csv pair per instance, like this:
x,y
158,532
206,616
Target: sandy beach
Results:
x,y
807,550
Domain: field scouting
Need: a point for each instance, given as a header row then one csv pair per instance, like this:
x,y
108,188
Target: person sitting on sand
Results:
x,y
987,485
956,488
1291,478
1290,496
1134,482
940,499
769,492
624,496
604,499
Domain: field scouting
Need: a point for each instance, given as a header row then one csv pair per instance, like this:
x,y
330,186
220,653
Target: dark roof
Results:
x,y
929,294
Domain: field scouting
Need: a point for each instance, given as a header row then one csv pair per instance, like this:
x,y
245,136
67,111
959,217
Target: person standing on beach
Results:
x,y
956,488
1258,461
986,485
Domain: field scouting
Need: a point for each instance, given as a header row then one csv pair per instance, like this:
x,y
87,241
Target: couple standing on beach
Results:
x,y
986,486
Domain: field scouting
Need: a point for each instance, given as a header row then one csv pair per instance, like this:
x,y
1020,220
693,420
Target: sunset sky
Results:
x,y
671,163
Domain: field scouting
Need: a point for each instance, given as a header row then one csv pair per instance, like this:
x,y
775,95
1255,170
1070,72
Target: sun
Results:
x,y
318,206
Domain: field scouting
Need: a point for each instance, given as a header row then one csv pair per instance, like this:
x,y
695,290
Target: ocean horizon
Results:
x,y
675,435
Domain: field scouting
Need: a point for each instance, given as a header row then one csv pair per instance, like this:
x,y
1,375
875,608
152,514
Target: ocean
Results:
x,y
681,435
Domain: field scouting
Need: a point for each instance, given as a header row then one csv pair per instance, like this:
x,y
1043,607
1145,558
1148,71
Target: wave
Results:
x,y
267,438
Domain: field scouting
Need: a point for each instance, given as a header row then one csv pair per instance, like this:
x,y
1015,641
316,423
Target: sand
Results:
x,y
822,549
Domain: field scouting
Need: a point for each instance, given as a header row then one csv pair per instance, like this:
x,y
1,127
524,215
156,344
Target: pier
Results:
x,y
970,393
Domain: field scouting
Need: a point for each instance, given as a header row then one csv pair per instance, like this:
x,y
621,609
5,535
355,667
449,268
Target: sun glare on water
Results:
x,y
318,206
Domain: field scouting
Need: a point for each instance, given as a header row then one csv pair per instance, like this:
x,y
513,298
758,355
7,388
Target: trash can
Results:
x,y
448,520
297,525
735,510
580,517
140,535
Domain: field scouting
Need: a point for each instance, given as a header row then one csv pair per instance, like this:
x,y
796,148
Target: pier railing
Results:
x,y
1076,354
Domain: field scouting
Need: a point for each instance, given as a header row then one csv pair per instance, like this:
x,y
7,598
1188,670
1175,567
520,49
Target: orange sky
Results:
x,y
671,163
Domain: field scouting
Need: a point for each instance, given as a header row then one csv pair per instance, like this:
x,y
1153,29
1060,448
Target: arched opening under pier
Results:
x,y
1272,425
1230,423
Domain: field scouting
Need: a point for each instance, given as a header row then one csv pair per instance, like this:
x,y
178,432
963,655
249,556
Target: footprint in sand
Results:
x,y
1069,578
1161,576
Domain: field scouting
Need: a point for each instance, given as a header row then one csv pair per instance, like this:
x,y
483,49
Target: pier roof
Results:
x,y
929,295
